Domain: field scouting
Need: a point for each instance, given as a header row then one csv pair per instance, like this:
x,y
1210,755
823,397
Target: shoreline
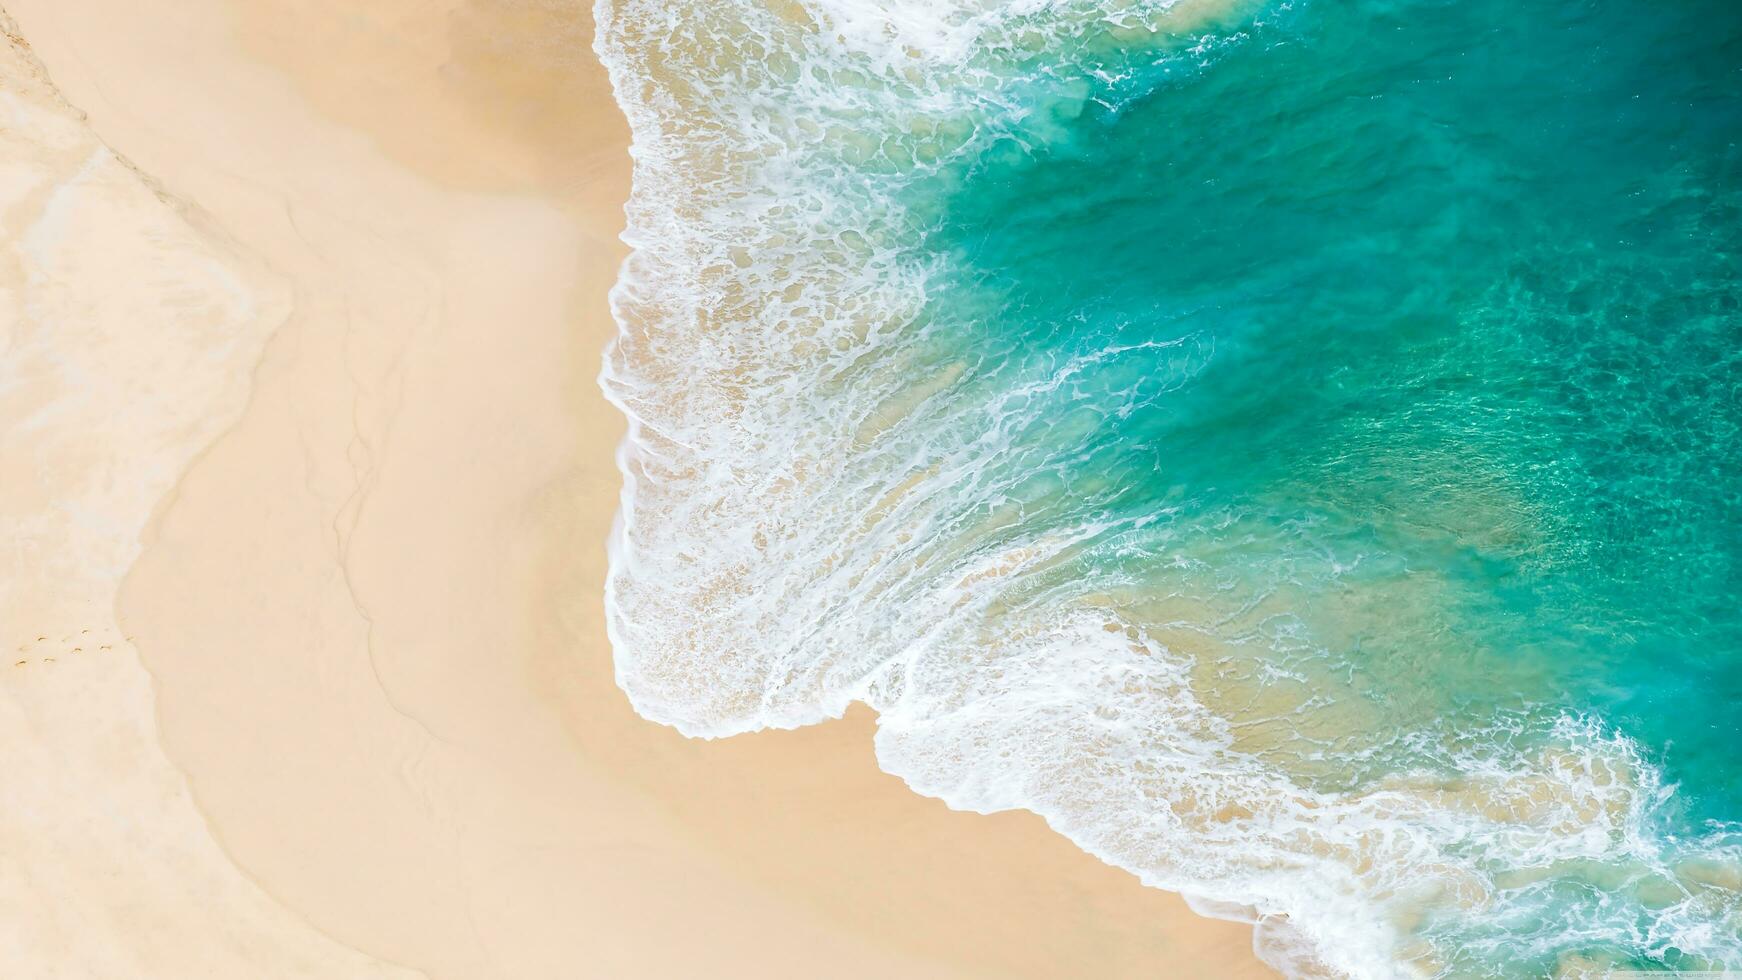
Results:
x,y
372,607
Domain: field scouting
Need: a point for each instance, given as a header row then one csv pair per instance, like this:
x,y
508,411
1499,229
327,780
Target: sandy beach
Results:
x,y
310,482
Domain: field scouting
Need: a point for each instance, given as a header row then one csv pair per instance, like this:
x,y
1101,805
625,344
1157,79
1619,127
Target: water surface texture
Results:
x,y
1296,449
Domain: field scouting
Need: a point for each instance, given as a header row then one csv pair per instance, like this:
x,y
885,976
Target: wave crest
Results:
x,y
829,499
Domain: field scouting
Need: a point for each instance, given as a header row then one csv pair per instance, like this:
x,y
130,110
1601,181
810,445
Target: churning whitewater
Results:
x,y
1230,430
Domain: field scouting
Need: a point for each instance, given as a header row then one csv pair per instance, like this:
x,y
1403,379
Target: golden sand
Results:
x,y
332,364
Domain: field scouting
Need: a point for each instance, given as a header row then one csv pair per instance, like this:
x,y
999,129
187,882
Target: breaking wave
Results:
x,y
844,483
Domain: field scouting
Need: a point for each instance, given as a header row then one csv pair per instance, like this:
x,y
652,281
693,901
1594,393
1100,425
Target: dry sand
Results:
x,y
332,362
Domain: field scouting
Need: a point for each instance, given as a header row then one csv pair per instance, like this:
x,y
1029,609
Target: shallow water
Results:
x,y
1295,449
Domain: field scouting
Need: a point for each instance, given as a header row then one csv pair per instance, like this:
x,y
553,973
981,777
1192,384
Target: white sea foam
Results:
x,y
821,505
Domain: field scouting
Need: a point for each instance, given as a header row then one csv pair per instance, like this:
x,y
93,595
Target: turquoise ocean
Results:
x,y
1295,448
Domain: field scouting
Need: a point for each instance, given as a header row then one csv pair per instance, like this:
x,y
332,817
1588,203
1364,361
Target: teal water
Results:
x,y
1375,366
1463,287
1463,284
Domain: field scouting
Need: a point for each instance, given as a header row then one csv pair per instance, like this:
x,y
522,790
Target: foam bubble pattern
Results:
x,y
833,493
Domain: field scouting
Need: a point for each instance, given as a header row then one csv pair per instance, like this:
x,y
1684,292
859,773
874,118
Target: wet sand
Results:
x,y
373,500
